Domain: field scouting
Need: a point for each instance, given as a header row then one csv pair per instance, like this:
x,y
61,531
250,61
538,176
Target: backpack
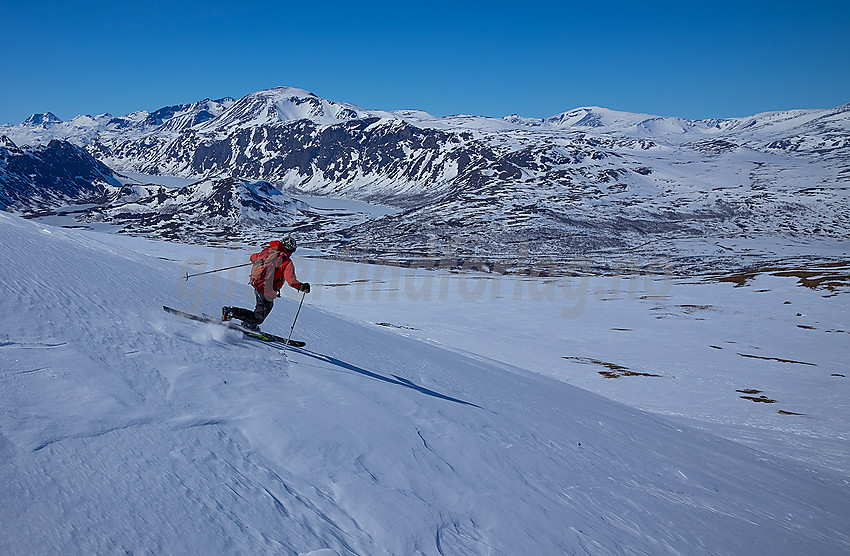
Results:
x,y
263,273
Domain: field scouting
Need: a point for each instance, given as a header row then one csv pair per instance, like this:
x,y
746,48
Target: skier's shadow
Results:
x,y
397,380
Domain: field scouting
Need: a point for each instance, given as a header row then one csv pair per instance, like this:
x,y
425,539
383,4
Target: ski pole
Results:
x,y
187,276
293,323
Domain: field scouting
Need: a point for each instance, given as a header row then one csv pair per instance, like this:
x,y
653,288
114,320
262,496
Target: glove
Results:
x,y
305,287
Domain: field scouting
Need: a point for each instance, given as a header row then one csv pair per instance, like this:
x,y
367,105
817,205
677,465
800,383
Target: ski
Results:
x,y
254,334
186,315
264,336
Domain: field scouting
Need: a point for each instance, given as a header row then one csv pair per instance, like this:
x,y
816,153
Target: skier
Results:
x,y
271,267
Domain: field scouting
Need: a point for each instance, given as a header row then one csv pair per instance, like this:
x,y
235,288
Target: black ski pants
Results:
x,y
260,312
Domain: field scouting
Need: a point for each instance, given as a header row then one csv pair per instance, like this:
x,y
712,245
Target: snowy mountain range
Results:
x,y
590,182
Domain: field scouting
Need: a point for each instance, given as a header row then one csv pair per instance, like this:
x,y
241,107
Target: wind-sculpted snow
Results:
x,y
125,429
187,439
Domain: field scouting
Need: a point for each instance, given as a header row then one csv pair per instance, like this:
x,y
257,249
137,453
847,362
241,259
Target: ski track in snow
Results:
x,y
127,430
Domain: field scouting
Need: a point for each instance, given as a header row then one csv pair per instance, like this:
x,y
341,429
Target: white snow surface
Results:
x,y
128,430
708,343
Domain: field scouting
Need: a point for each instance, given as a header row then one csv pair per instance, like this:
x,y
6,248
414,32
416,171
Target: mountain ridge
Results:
x,y
43,176
318,108
207,211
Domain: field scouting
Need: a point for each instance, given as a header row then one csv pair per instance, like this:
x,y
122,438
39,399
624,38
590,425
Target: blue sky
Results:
x,y
537,59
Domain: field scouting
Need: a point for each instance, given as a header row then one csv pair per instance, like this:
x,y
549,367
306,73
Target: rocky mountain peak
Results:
x,y
282,105
44,120
7,143
43,176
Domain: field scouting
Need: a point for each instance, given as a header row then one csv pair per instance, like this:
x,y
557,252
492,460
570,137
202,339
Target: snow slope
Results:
x,y
125,429
760,358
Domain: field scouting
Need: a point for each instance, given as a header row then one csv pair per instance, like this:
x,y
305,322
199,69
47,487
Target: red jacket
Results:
x,y
271,267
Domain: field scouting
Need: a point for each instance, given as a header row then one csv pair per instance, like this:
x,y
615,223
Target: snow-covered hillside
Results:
x,y
40,177
759,357
202,211
125,429
213,210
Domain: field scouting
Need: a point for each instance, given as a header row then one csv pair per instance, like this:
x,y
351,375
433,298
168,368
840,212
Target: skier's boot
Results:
x,y
251,325
226,313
